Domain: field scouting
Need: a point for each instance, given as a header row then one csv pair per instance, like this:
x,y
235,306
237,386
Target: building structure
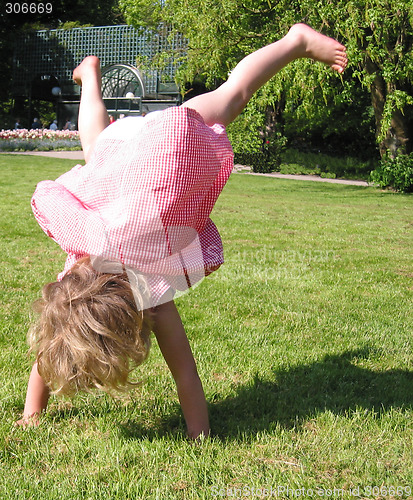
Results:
x,y
133,79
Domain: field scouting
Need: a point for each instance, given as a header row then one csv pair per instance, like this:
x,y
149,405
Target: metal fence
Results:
x,y
57,52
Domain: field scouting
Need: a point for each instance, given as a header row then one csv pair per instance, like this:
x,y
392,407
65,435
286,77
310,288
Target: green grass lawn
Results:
x,y
303,341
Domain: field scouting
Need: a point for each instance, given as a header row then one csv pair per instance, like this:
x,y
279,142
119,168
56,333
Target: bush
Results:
x,y
395,172
268,159
258,146
307,162
254,144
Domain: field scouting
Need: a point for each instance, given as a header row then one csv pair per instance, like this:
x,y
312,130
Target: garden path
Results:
x,y
78,156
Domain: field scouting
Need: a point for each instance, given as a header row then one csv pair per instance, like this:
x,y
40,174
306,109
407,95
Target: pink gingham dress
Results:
x,y
143,200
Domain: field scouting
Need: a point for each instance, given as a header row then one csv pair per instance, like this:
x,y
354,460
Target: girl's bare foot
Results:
x,y
320,47
89,65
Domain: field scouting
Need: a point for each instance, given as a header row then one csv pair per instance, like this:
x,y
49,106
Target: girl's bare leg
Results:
x,y
224,104
93,117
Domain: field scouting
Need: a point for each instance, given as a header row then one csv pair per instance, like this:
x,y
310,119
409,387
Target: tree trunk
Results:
x,y
398,138
273,119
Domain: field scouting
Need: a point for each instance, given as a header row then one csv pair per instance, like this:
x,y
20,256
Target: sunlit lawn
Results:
x,y
303,341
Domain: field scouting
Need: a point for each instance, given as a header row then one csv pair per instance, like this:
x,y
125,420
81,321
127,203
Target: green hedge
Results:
x,y
267,159
395,172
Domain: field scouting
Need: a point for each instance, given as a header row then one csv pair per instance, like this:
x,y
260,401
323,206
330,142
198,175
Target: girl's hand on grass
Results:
x,y
28,421
200,439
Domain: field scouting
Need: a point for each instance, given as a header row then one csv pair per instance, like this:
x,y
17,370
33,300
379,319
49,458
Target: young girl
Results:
x,y
135,224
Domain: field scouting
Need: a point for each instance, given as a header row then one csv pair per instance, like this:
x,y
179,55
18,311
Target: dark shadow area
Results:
x,y
333,384
42,63
38,53
169,426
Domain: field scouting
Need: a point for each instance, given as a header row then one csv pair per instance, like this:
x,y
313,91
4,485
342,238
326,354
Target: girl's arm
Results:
x,y
176,350
36,399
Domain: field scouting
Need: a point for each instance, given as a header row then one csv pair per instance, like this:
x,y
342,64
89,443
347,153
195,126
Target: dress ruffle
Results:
x,y
144,200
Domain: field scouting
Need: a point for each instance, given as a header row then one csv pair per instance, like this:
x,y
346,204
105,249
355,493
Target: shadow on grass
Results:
x,y
334,384
169,424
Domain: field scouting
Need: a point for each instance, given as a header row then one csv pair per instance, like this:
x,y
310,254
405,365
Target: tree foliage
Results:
x,y
377,33
379,36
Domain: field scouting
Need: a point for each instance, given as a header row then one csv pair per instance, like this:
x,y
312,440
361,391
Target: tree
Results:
x,y
378,34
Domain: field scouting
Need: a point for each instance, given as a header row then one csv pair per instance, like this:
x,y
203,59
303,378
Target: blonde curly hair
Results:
x,y
89,333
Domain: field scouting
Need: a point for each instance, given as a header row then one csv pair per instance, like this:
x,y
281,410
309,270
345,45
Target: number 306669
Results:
x,y
29,8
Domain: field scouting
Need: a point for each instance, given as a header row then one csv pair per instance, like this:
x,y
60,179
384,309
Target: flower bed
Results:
x,y
39,140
